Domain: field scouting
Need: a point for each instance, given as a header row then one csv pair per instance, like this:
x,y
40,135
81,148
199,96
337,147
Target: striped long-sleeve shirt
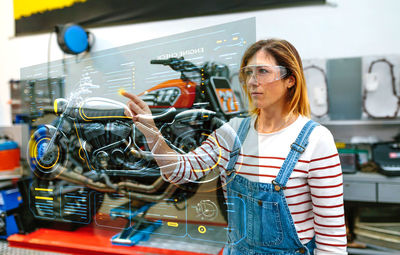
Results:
x,y
314,191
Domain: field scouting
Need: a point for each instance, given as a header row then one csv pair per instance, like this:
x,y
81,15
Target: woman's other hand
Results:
x,y
140,113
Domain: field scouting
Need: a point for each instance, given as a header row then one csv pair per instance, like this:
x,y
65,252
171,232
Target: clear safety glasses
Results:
x,y
263,73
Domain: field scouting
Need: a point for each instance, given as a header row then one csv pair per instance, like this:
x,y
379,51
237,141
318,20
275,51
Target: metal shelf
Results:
x,y
361,122
372,250
355,251
371,177
369,129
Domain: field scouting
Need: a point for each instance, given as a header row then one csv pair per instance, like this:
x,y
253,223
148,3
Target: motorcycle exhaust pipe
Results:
x,y
152,198
76,178
141,187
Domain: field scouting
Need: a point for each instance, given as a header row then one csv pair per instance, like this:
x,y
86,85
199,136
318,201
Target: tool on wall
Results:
x,y
319,93
33,98
372,84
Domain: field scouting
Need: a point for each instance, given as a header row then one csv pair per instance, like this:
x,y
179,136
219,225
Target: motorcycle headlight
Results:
x,y
60,104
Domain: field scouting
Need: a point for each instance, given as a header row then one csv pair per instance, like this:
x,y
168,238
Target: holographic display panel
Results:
x,y
92,163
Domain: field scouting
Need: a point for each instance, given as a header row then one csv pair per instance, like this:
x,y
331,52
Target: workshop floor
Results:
x,y
6,250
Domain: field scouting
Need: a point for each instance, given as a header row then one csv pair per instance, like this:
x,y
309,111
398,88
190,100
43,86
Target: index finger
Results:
x,y
134,98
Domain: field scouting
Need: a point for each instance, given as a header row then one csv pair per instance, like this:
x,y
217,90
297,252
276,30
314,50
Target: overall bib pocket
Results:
x,y
266,222
263,224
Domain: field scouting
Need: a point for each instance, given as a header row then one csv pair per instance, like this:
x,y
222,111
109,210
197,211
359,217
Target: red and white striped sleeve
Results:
x,y
211,155
326,186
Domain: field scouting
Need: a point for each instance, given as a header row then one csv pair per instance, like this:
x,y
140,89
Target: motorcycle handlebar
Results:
x,y
177,64
169,61
160,61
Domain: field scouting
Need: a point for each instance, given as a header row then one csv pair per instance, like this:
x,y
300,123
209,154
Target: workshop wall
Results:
x,y
341,28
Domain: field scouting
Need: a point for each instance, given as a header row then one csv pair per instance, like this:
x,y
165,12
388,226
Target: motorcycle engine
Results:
x,y
106,143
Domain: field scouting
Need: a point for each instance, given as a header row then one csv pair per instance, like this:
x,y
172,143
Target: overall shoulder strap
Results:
x,y
239,139
296,149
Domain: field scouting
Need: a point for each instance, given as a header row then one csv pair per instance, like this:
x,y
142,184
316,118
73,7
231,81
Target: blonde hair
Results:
x,y
285,55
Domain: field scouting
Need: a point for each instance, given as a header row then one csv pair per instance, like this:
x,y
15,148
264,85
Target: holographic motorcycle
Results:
x,y
94,146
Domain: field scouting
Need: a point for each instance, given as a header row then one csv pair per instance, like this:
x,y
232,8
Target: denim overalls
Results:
x,y
259,220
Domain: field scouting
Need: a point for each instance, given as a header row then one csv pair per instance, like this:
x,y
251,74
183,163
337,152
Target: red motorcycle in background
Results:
x,y
93,146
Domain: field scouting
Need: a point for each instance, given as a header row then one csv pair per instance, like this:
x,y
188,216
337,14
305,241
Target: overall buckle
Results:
x,y
277,186
298,148
229,172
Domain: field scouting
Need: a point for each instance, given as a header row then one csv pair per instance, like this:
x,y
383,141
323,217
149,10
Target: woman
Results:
x,y
286,194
